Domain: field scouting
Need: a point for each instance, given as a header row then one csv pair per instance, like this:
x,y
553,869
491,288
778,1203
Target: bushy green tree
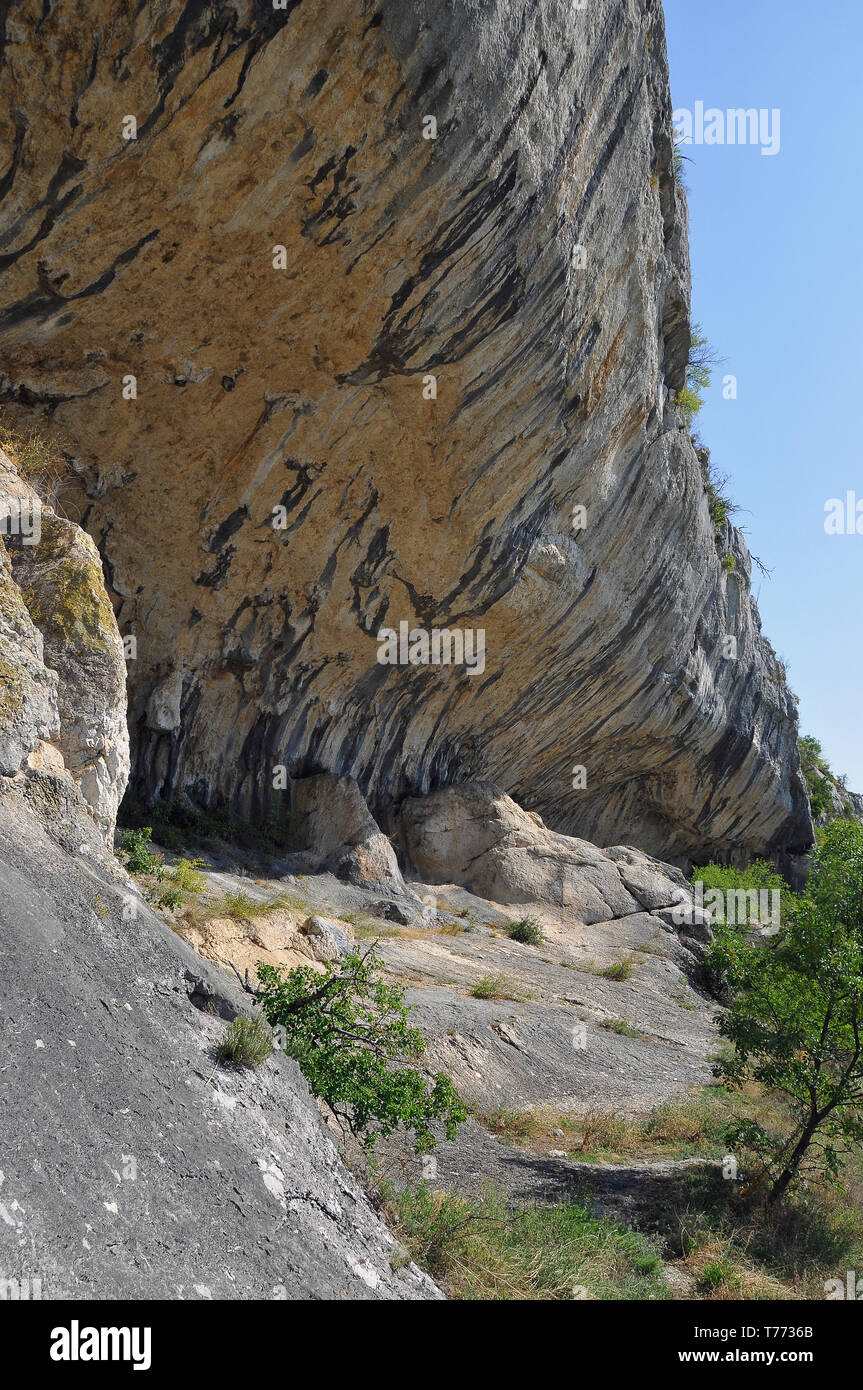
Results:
x,y
796,1020
136,854
348,1030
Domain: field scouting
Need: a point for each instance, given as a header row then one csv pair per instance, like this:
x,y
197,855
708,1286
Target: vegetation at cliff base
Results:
x,y
348,1030
177,824
743,892
182,879
135,852
795,1023
481,1249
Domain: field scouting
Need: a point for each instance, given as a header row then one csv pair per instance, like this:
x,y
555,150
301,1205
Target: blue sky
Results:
x,y
778,289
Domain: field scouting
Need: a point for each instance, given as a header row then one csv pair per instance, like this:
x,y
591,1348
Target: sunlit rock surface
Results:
x,y
533,259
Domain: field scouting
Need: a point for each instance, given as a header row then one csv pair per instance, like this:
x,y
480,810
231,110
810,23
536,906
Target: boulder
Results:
x,y
326,940
336,827
476,836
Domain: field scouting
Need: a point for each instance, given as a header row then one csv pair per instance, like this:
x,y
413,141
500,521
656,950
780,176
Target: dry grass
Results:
x,y
722,1273
622,1027
241,907
38,461
685,1129
498,986
483,1250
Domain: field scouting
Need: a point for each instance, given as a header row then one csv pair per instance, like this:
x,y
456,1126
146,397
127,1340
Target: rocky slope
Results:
x,y
281,260
132,1163
842,803
606,1015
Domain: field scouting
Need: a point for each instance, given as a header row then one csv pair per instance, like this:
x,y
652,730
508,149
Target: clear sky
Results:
x,y
778,288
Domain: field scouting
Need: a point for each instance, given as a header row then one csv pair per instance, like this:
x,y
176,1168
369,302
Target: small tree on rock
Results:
x,y
347,1028
796,1021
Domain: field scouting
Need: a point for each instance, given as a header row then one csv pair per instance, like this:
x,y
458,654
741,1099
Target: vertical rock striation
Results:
x,y
533,259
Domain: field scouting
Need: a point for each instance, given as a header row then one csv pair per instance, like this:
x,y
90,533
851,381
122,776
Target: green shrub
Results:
x,y
498,986
820,779
240,906
718,1274
678,159
247,1043
688,403
526,930
759,877
136,854
186,876
729,563
719,502
172,898
699,368
348,1031
620,970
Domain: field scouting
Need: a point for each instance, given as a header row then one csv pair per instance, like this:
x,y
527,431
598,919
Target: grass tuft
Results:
x,y
498,986
247,1043
526,930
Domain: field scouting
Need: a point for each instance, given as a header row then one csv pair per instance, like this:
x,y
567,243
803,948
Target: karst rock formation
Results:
x,y
243,247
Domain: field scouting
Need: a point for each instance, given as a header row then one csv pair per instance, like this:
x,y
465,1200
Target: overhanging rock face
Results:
x,y
532,258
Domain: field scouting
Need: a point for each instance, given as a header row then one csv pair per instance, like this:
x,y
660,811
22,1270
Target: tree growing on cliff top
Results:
x,y
347,1029
796,1021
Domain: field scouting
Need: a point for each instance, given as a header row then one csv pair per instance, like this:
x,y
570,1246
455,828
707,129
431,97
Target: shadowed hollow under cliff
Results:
x,y
533,258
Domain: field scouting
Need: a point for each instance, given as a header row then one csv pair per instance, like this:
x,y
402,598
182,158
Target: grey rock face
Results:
x,y
64,673
28,689
842,803
533,258
133,1164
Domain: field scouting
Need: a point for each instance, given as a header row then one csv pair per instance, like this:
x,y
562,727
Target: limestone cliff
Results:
x,y
281,261
132,1165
